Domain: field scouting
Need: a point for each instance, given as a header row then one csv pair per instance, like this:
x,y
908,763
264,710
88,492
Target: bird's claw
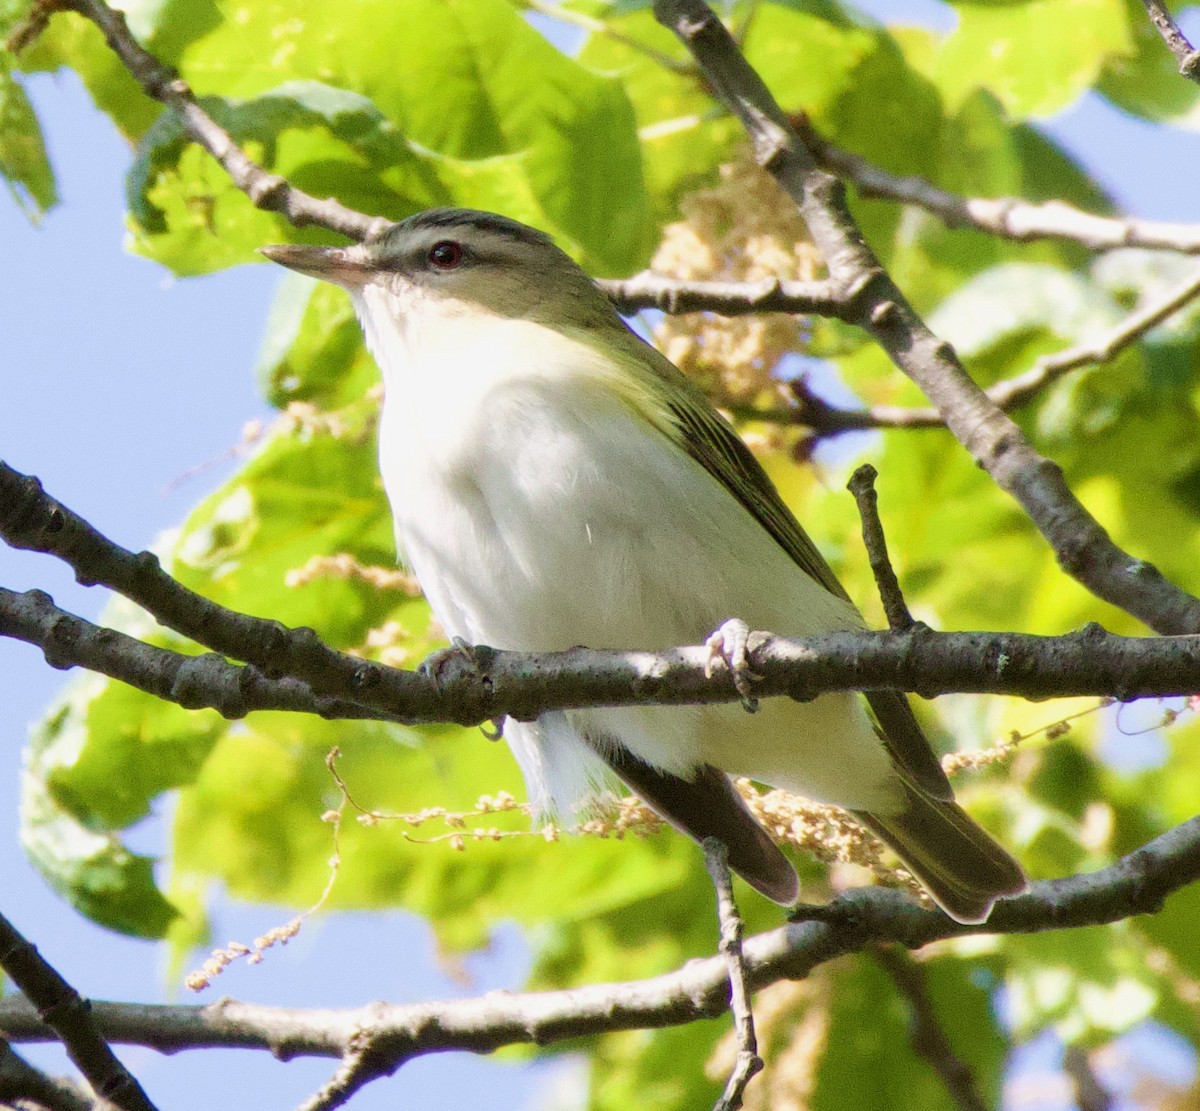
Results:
x,y
476,657
727,645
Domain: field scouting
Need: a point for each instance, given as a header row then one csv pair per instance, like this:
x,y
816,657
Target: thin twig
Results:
x,y
265,190
1186,55
1090,1094
1016,391
360,1065
814,412
62,1008
1083,548
1006,217
926,1034
747,1063
862,486
1138,883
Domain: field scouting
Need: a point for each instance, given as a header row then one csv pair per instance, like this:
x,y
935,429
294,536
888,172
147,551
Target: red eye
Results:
x,y
445,255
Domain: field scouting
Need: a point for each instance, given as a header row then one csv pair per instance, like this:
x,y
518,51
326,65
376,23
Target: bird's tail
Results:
x,y
955,859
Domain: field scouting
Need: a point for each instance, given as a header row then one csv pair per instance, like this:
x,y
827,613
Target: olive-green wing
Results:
x,y
710,440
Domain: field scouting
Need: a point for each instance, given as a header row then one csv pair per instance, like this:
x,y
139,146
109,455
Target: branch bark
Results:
x,y
292,669
747,1062
29,1089
670,295
862,486
1006,217
207,681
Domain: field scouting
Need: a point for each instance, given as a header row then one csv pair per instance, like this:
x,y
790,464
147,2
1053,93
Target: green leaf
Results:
x,y
305,493
252,819
1036,56
501,91
1020,301
1174,928
23,162
684,137
94,872
969,148
190,216
660,1073
95,763
312,347
105,751
1089,984
71,40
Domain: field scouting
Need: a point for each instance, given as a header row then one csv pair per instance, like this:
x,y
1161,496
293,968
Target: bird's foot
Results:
x,y
727,645
475,657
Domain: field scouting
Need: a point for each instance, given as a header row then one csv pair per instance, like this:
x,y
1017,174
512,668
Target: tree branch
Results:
x,y
995,442
293,669
1006,217
928,1038
862,486
24,1087
207,681
1137,883
670,295
1185,54
63,1010
266,190
32,520
358,1068
489,684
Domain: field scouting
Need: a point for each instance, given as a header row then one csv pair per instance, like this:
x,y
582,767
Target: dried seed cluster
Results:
x,y
741,229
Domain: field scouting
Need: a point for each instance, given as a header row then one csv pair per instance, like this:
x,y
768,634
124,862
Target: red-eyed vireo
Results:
x,y
556,481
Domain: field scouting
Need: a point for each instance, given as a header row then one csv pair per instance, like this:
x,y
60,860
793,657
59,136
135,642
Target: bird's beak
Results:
x,y
344,266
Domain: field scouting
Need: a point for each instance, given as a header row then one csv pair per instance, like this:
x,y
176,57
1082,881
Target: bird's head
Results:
x,y
460,260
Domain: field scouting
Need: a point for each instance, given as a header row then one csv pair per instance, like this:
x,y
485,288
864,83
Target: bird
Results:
x,y
556,481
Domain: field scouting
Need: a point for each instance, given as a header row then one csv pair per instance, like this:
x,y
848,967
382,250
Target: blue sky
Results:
x,y
117,380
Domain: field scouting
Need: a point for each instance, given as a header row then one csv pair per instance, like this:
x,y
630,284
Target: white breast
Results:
x,y
540,511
